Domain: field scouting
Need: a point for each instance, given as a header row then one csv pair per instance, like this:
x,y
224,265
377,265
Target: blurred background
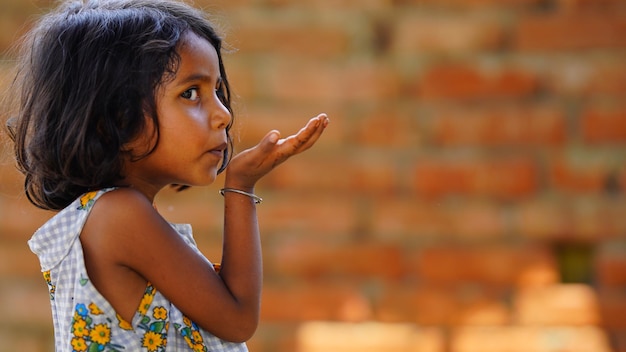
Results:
x,y
468,195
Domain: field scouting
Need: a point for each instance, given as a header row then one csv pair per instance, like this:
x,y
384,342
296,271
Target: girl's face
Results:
x,y
192,124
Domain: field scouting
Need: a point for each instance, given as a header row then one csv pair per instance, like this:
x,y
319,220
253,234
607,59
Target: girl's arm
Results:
x,y
126,243
242,267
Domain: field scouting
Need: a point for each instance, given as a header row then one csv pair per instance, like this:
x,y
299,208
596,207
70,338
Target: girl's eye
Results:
x,y
191,94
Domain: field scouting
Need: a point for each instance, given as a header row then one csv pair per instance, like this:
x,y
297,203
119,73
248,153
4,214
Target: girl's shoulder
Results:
x,y
120,210
54,239
117,199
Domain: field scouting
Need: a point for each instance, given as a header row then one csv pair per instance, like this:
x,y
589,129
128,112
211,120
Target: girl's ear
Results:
x,y
143,143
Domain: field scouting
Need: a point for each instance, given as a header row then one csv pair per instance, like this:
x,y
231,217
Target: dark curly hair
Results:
x,y
87,80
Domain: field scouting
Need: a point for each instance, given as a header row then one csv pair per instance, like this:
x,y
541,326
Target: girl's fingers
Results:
x,y
269,141
272,151
306,137
312,139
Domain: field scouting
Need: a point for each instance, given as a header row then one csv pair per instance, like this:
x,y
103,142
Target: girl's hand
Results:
x,y
247,167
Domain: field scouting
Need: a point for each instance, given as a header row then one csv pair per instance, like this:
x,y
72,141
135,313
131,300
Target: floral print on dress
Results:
x,y
87,200
89,336
153,322
84,319
191,334
51,288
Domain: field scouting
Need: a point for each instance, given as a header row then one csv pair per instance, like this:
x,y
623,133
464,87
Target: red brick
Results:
x,y
488,265
316,260
477,221
290,34
347,83
423,305
254,121
612,302
524,126
588,77
604,125
409,219
609,79
462,81
509,178
271,336
293,213
529,339
587,5
419,33
610,266
302,302
585,219
585,176
559,305
368,337
571,31
444,306
336,174
385,127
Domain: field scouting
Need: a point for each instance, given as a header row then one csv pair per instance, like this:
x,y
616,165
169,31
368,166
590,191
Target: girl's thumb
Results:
x,y
270,140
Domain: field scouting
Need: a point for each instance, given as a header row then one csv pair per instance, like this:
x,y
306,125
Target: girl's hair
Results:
x,y
87,81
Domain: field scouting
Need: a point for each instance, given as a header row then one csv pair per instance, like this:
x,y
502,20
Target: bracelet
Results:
x,y
257,199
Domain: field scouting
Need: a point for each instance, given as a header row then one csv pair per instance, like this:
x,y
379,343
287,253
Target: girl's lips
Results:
x,y
217,153
219,150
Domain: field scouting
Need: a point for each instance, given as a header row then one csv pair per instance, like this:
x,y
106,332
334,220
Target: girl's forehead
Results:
x,y
197,57
194,44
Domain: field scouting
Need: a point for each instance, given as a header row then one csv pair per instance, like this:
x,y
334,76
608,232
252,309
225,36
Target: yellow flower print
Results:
x,y
101,334
187,321
94,309
152,341
78,344
80,327
87,200
160,313
148,296
199,348
197,337
51,287
123,323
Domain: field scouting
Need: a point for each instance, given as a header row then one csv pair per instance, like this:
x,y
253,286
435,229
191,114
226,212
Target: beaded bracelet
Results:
x,y
257,199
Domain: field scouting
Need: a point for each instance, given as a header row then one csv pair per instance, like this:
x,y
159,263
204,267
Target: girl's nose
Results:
x,y
220,116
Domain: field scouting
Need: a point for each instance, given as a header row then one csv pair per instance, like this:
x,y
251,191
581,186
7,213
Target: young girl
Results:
x,y
118,99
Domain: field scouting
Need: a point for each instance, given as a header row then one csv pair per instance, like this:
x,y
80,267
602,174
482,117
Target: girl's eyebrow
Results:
x,y
196,77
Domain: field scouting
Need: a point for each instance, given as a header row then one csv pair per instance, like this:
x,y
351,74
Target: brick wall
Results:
x,y
468,195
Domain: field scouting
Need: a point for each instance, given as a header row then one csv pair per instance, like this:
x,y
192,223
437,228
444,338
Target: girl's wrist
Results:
x,y
254,197
242,186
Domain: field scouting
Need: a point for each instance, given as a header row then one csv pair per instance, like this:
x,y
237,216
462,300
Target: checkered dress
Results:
x,y
85,321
